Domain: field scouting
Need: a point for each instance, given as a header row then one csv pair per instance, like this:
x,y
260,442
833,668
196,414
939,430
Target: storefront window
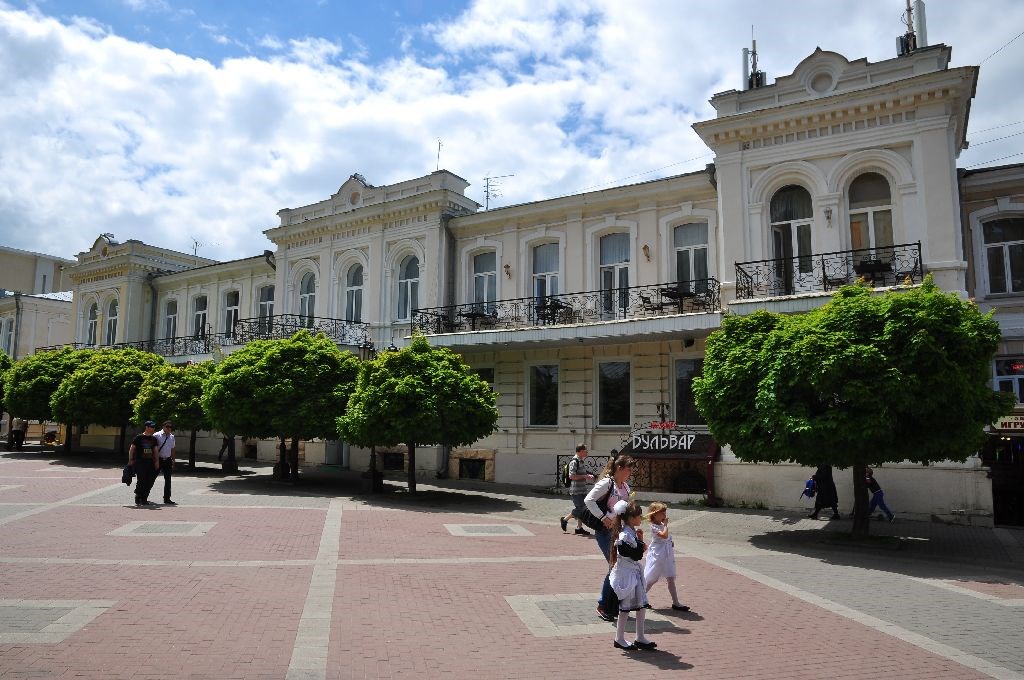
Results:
x,y
1009,376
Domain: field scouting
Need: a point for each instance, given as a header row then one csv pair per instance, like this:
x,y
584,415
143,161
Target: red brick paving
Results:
x,y
1006,591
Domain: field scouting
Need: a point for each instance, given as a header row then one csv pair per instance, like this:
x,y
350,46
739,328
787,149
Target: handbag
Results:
x,y
588,517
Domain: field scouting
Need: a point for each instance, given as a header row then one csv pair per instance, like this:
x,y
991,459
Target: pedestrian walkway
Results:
x,y
250,579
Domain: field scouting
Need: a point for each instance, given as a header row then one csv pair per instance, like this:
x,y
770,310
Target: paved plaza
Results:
x,y
250,579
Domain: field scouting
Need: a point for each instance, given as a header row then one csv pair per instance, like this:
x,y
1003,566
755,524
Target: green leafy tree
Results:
x,y
31,382
100,391
420,395
292,388
865,380
174,393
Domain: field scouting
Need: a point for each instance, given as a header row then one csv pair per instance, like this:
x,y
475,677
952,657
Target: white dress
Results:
x,y
660,558
627,577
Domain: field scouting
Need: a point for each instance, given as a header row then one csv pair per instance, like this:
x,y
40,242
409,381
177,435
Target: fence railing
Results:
x,y
595,306
279,326
884,266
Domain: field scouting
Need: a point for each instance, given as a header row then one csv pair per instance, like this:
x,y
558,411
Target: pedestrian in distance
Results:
x,y
827,496
661,554
143,457
877,495
226,442
610,488
19,426
627,576
579,485
165,451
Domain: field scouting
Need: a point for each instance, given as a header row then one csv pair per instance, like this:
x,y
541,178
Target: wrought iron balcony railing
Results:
x,y
885,266
663,299
342,332
166,347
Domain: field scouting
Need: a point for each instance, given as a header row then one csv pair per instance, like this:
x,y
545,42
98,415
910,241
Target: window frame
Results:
x,y
110,323
200,317
1004,248
231,312
870,212
92,324
265,308
677,415
170,320
690,252
1015,381
408,286
307,299
599,397
354,294
7,336
490,283
530,398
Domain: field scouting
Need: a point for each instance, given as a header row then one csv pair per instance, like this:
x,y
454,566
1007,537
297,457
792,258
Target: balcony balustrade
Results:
x,y
822,272
636,302
342,332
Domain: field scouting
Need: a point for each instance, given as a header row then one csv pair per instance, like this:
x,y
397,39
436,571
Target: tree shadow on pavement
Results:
x,y
354,488
101,459
915,556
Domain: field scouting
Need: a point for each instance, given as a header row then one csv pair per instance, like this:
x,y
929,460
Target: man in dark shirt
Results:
x,y
142,455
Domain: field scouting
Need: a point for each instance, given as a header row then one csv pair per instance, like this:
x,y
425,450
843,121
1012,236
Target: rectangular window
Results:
x,y
266,308
199,318
1009,376
686,410
485,281
614,396
230,313
544,395
171,319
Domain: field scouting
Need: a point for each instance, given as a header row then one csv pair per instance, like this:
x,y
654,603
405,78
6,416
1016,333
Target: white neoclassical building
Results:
x,y
588,313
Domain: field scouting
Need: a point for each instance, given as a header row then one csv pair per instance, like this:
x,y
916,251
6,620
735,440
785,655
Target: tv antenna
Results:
x,y
197,244
492,188
439,145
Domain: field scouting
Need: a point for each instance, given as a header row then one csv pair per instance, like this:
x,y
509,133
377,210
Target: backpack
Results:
x,y
810,488
566,482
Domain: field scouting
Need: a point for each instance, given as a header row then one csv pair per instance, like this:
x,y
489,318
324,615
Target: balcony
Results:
x,y
565,309
823,272
342,332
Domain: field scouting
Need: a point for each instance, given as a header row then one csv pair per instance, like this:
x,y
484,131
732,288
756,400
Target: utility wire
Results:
x,y
1001,48
1016,122
1001,158
996,139
645,172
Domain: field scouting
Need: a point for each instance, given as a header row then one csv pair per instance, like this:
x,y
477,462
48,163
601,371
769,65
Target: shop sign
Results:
x,y
1014,423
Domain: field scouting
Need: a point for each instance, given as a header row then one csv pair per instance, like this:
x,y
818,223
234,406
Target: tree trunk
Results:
x,y
861,521
376,479
192,451
69,442
281,468
412,467
230,463
293,459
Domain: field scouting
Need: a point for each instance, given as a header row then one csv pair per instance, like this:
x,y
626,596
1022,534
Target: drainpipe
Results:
x,y
268,255
17,326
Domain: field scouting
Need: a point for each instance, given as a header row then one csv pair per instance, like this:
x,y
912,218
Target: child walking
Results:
x,y
661,554
626,576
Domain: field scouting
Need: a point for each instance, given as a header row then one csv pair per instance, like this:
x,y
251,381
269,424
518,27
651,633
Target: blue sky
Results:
x,y
176,122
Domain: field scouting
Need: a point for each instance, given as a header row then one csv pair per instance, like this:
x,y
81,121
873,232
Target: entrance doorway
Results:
x,y
1004,456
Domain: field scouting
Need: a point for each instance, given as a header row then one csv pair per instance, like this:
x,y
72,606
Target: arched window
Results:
x,y
791,215
690,242
870,216
545,270
614,254
485,281
90,325
230,313
7,335
354,293
408,287
307,299
112,322
171,319
199,318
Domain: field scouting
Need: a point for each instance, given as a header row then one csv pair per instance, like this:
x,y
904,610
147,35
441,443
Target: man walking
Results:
x,y
165,450
579,485
18,427
142,455
877,495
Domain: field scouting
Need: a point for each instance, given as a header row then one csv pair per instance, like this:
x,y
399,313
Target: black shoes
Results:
x,y
580,531
605,616
646,646
680,608
168,501
565,524
813,515
631,647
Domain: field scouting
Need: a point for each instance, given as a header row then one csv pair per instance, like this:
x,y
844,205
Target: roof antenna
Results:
x,y
751,76
439,145
912,39
492,188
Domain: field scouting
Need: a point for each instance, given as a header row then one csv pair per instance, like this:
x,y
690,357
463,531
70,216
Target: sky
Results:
x,y
188,124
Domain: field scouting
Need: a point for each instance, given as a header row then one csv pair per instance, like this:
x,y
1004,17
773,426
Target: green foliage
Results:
x,y
866,379
174,393
281,388
100,391
31,381
419,395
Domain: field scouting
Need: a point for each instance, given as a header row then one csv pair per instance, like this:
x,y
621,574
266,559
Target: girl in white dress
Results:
x,y
627,577
661,554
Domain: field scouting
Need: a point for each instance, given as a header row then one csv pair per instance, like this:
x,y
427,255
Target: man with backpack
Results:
x,y
578,480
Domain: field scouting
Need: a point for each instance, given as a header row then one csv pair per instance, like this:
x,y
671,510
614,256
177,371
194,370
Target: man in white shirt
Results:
x,y
165,447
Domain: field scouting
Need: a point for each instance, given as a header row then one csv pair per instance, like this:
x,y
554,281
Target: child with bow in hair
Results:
x,y
661,554
627,577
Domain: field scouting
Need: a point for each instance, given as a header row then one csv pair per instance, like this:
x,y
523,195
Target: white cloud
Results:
x,y
98,133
